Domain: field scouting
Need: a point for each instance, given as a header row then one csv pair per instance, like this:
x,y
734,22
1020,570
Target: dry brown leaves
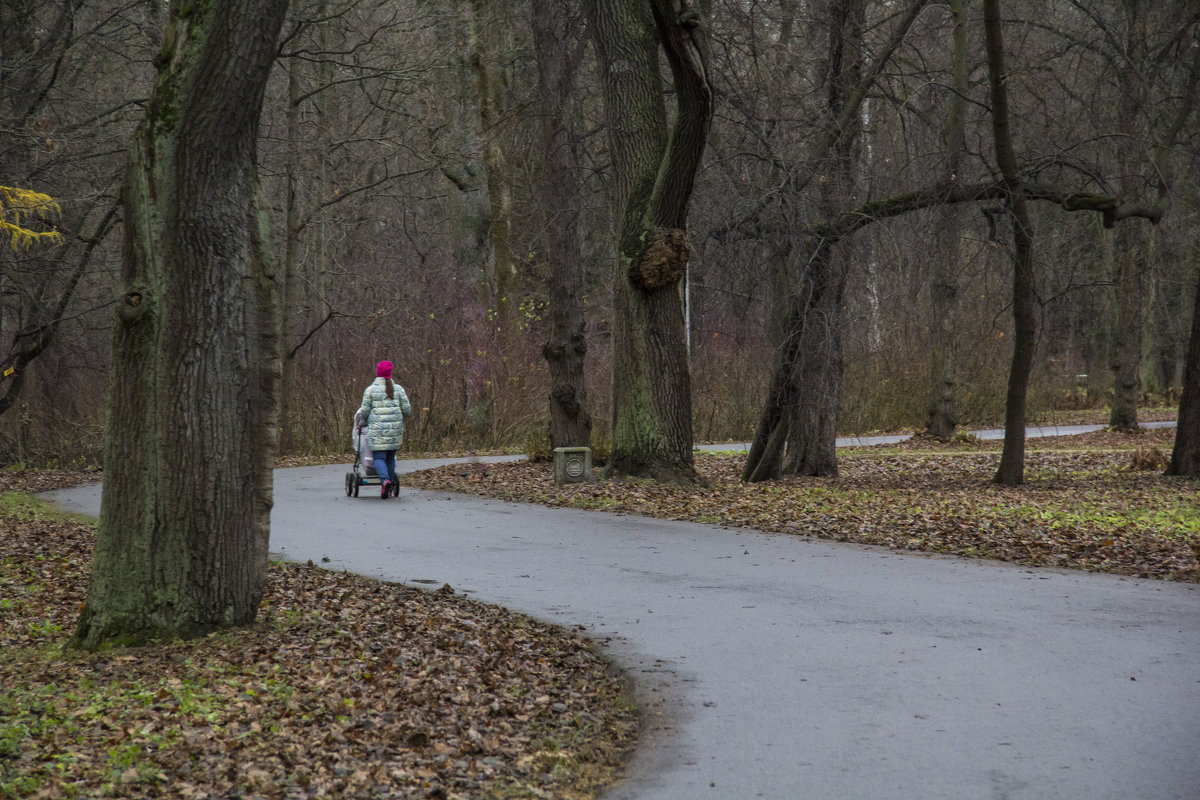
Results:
x,y
1088,502
347,687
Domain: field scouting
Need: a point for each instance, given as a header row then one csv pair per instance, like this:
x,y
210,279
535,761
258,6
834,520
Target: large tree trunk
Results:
x,y
1130,241
1011,471
193,398
1185,457
812,430
942,417
789,402
764,462
1130,281
652,414
566,344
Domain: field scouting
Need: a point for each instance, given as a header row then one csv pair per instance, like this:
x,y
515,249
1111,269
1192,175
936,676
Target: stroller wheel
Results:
x,y
357,483
350,482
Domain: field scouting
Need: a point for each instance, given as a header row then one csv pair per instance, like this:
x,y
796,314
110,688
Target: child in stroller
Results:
x,y
364,463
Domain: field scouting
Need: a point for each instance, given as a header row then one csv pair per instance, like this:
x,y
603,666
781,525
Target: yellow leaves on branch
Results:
x,y
18,207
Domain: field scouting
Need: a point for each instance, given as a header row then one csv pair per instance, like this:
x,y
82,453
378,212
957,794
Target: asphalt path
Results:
x,y
781,667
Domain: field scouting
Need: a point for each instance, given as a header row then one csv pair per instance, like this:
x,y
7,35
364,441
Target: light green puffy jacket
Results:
x,y
385,417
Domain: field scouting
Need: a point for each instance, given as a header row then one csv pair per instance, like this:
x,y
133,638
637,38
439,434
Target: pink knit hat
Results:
x,y
383,369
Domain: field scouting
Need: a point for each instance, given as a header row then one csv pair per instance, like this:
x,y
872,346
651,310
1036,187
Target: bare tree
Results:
x,y
800,414
1012,459
942,418
67,104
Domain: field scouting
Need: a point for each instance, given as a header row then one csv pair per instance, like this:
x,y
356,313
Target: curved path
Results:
x,y
781,667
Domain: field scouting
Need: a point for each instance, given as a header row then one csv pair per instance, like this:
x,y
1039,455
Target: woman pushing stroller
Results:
x,y
385,408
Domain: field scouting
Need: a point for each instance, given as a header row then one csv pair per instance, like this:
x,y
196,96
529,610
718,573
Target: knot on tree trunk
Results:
x,y
566,398
662,262
134,304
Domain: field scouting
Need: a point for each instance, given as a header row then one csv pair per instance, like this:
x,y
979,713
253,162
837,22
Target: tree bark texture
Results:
x,y
652,414
812,435
802,405
488,40
1129,282
812,431
1011,471
289,278
1185,456
942,417
1168,311
566,345
1131,242
766,457
193,396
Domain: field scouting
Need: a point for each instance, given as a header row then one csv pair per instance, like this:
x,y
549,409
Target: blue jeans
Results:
x,y
385,464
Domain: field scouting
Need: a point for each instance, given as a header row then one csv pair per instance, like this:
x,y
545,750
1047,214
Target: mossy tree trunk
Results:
x,y
193,395
566,344
652,414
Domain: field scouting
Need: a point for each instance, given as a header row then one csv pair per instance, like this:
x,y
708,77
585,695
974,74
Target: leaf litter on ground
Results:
x,y
347,687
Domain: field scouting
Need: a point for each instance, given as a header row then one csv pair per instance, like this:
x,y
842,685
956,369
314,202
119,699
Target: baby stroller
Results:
x,y
364,462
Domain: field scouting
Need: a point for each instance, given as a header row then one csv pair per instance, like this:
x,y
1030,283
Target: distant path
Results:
x,y
780,667
1032,432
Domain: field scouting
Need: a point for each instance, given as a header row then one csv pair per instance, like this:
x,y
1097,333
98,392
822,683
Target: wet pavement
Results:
x,y
781,667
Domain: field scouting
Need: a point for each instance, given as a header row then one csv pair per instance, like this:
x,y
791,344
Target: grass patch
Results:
x,y
20,507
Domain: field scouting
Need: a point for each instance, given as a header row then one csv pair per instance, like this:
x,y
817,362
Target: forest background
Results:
x,y
897,212
404,153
